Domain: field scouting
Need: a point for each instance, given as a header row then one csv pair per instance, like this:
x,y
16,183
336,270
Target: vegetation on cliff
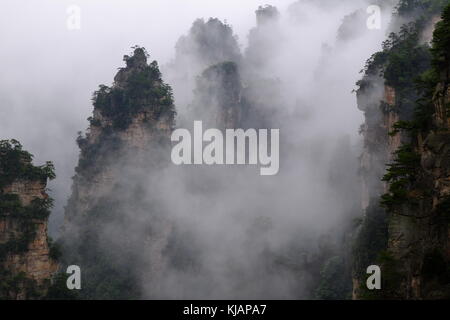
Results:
x,y
15,164
21,219
138,89
441,42
424,8
401,63
413,204
207,43
217,95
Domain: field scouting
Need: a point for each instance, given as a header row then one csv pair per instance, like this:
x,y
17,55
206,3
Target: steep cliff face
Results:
x,y
26,260
419,234
114,227
206,44
217,97
133,116
405,228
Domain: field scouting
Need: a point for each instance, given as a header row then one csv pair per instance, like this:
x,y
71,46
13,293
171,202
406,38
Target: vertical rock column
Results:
x,y
26,267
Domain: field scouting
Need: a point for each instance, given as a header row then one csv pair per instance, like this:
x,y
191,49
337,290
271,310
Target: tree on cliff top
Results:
x,y
137,87
15,163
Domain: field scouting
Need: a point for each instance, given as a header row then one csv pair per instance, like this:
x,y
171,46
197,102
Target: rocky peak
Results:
x,y
26,262
266,15
264,42
406,230
217,97
206,44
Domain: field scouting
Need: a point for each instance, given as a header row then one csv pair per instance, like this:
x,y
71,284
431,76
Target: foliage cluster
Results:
x,y
11,207
58,289
335,281
401,175
15,164
208,43
426,8
142,89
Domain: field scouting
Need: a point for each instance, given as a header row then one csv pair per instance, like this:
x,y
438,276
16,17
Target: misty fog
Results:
x,y
240,227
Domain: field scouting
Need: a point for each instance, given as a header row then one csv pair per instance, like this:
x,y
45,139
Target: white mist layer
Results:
x,y
241,224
